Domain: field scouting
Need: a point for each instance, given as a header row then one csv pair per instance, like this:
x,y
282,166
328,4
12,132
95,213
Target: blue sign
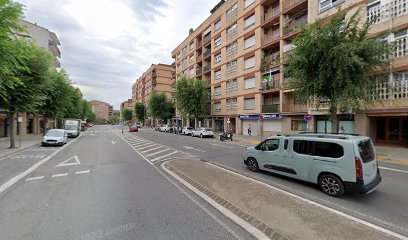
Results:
x,y
308,117
243,117
272,116
267,116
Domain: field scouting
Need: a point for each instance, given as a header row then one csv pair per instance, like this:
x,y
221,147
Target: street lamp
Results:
x,y
261,89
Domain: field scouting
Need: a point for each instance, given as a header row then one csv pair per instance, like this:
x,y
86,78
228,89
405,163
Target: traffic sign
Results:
x,y
260,118
308,117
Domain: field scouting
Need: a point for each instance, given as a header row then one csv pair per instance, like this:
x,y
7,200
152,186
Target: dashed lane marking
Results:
x,y
59,175
164,156
151,149
157,152
35,178
82,172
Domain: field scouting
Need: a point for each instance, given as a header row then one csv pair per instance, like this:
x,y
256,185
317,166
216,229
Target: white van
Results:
x,y
337,163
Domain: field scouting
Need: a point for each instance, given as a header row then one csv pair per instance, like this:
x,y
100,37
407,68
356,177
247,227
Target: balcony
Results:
x,y
271,85
295,25
199,44
271,16
199,58
286,56
232,16
270,38
400,47
270,61
207,53
390,90
274,108
199,70
294,5
378,13
231,34
207,39
207,69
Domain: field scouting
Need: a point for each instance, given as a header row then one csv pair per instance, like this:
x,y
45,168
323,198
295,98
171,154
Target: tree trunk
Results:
x,y
334,120
196,123
13,132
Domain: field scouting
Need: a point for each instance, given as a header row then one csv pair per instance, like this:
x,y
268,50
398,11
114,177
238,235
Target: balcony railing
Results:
x,y
232,107
390,90
400,47
377,13
207,53
207,68
274,108
271,85
199,70
231,71
199,44
231,34
232,16
199,58
207,39
270,61
286,56
272,12
271,37
291,3
295,25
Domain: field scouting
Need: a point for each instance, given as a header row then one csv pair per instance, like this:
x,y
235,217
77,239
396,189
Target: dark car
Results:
x,y
133,128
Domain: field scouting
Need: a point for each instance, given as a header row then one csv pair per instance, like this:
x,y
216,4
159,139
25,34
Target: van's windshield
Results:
x,y
366,151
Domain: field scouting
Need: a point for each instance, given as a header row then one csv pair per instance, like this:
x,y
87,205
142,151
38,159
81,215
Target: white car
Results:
x,y
164,128
55,137
186,131
202,132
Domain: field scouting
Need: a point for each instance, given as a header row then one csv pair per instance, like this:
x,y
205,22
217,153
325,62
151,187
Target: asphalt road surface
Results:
x,y
98,187
386,207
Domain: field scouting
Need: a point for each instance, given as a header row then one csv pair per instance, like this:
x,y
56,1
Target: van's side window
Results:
x,y
302,147
286,144
271,145
328,149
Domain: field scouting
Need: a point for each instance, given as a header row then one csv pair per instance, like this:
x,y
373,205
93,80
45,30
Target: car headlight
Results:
x,y
60,139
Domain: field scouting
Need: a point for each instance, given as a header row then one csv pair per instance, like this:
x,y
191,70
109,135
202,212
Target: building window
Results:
x,y
249,21
217,107
249,83
249,62
232,86
217,58
249,3
191,59
217,91
326,4
191,46
249,42
217,75
249,104
232,104
217,42
232,49
299,125
231,31
232,12
192,74
217,25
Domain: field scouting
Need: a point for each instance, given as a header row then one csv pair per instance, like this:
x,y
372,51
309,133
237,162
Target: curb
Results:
x,y
19,151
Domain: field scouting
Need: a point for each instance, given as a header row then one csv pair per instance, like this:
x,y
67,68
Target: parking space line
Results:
x,y
35,178
59,175
82,172
149,150
151,145
164,156
157,152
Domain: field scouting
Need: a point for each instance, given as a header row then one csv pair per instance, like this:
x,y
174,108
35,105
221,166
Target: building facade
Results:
x,y
241,51
33,124
101,109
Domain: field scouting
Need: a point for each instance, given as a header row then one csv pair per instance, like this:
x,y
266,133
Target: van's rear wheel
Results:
x,y
331,185
252,165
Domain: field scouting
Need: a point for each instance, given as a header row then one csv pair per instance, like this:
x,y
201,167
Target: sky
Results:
x,y
107,44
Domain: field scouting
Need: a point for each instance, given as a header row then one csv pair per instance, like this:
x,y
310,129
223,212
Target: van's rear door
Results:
x,y
367,154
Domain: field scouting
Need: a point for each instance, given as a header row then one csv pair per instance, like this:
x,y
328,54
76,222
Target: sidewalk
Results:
x,y
391,154
26,142
263,209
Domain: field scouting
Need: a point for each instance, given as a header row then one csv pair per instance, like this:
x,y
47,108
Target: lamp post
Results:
x,y
261,89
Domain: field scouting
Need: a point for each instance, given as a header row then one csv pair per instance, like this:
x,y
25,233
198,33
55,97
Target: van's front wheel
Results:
x,y
331,185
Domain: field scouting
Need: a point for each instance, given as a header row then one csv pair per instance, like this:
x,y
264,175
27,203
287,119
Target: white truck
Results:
x,y
72,127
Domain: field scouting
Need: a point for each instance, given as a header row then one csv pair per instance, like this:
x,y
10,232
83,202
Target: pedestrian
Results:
x,y
341,130
249,130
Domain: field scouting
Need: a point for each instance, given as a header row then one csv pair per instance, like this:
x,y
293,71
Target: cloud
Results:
x,y
108,44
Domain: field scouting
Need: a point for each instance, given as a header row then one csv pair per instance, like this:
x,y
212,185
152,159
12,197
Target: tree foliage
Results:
x,y
140,111
334,61
192,97
127,114
160,106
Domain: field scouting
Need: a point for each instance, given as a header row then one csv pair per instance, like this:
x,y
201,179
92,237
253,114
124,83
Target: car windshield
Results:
x,y
54,133
70,127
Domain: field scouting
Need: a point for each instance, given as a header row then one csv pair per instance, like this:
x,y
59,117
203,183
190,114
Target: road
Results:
x,y
98,187
386,207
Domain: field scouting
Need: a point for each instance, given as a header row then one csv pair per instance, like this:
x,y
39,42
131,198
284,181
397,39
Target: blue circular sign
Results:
x,y
308,117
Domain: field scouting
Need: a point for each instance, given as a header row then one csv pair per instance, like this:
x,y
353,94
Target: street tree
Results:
x,y
140,111
192,98
160,106
127,114
333,62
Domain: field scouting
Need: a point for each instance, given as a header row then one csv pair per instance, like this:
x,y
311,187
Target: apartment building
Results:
x,y
240,52
128,104
101,109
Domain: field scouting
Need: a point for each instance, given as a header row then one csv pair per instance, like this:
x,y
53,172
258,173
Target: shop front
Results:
x,y
391,130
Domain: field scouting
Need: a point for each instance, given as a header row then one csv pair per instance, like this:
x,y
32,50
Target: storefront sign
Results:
x,y
271,116
243,117
267,116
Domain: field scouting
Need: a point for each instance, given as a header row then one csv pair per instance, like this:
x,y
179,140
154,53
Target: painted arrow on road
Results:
x,y
193,149
112,142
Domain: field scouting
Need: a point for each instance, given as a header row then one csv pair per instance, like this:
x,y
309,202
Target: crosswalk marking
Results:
x,y
144,144
151,145
161,157
157,152
136,141
151,149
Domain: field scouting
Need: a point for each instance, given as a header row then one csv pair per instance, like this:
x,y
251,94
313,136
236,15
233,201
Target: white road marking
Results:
x,y
149,150
35,178
112,142
144,144
20,176
214,144
164,156
193,149
59,175
157,152
151,145
82,172
67,163
392,169
137,141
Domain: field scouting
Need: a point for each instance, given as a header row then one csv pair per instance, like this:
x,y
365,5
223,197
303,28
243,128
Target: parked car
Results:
x,y
186,131
336,163
55,137
157,128
165,128
138,125
133,128
202,132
